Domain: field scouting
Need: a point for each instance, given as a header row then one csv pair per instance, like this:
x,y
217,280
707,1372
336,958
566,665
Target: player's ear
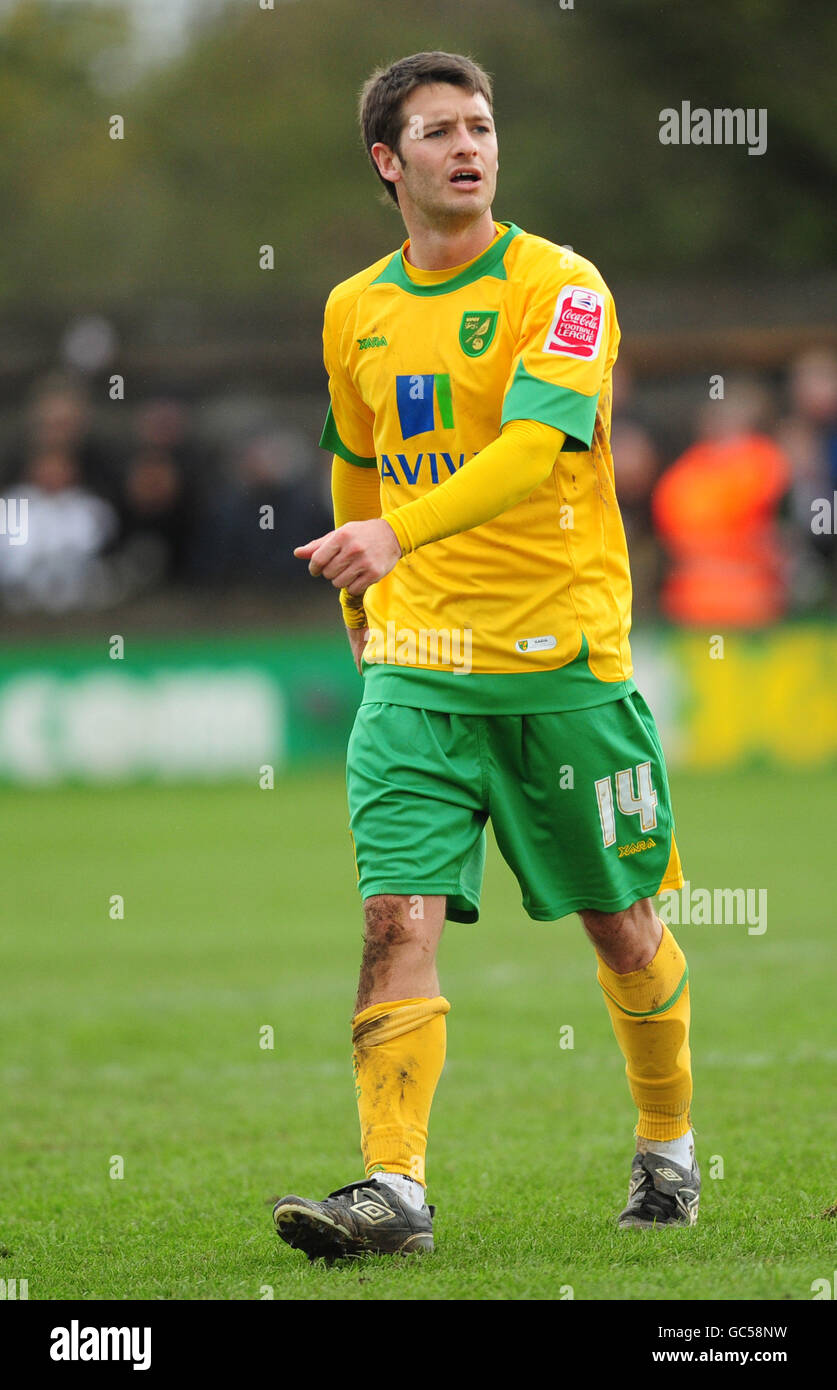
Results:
x,y
386,161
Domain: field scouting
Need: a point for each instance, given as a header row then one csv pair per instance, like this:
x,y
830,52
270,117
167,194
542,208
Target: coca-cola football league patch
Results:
x,y
576,328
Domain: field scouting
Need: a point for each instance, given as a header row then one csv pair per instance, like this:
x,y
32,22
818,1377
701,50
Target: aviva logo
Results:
x,y
418,397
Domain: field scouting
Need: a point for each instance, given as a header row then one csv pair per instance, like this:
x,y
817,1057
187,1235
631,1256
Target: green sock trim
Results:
x,y
660,1009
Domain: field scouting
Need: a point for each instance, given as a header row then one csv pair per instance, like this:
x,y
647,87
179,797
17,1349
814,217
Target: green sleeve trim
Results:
x,y
661,1008
529,398
489,263
330,439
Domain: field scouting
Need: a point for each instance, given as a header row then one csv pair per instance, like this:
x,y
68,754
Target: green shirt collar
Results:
x,y
489,263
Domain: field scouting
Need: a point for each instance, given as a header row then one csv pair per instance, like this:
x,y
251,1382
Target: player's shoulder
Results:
x,y
346,294
536,260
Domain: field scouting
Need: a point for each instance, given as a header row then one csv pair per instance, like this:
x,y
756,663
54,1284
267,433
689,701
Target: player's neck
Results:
x,y
440,248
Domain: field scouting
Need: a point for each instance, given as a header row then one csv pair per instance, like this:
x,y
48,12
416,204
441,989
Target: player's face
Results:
x,y
447,161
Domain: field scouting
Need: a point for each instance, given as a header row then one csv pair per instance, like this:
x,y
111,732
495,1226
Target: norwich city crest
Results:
x,y
476,331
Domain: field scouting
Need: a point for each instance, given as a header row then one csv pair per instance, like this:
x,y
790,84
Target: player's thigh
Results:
x,y
581,807
417,805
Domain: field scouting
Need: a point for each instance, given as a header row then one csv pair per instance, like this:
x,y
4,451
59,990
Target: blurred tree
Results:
x,y
249,137
56,162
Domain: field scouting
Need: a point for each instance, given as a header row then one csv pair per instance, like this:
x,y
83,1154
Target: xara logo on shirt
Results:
x,y
417,398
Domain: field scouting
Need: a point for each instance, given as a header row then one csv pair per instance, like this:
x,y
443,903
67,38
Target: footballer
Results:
x,y
474,503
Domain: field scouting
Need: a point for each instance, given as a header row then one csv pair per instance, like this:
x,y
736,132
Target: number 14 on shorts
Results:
x,y
642,803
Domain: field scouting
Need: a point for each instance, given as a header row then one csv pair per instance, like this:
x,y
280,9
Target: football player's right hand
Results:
x,y
354,556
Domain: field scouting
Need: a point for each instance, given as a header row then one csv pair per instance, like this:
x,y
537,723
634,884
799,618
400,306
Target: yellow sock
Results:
x,y
649,1010
398,1053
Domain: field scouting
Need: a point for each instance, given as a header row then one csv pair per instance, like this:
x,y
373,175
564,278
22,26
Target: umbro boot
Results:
x,y
362,1218
661,1193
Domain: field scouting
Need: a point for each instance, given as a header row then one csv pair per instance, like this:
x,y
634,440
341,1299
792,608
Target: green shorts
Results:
x,y
579,802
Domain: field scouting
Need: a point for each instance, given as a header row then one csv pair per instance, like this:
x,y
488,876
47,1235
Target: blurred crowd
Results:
x,y
729,510
181,499
730,514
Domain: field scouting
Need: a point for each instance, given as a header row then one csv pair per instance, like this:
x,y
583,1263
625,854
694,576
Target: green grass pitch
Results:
x,y
139,1038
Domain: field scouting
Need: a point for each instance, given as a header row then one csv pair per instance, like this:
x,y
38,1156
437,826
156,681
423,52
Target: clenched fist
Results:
x,y
354,556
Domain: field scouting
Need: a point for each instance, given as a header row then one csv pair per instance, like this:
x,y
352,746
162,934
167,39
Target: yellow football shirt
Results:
x,y
530,611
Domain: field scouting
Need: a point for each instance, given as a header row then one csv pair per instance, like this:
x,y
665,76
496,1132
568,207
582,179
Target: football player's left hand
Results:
x,y
354,556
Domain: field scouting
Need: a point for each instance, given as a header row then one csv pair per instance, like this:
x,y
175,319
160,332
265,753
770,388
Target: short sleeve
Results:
x,y
567,343
348,424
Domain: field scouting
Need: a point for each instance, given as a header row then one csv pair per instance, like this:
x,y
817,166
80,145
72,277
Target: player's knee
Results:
x,y
388,924
631,935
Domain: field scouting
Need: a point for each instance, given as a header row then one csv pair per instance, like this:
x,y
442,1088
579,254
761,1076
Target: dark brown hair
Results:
x,y
384,92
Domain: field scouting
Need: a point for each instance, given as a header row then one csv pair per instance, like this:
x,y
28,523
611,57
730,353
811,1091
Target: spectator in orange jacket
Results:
x,y
716,512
